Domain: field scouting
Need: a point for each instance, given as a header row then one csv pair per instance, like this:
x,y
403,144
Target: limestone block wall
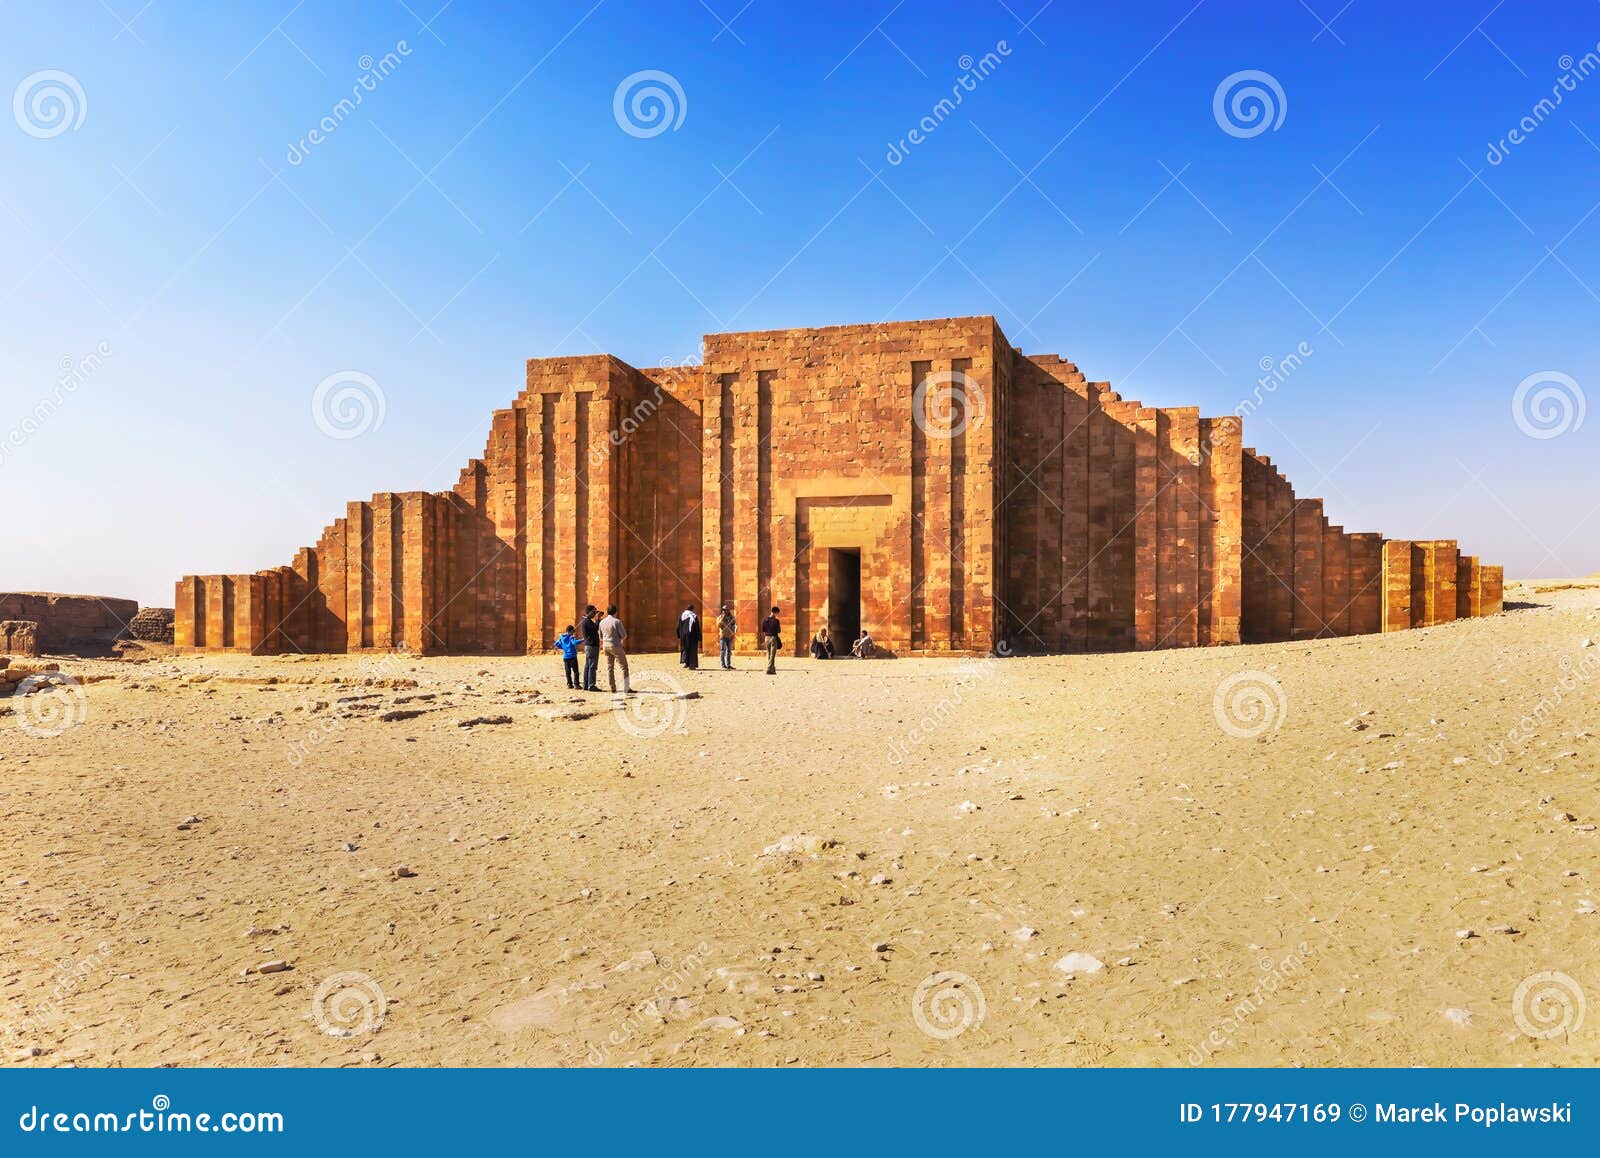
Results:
x,y
67,622
1123,522
988,496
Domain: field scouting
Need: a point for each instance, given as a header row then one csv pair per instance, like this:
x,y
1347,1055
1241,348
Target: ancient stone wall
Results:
x,y
69,623
19,637
946,491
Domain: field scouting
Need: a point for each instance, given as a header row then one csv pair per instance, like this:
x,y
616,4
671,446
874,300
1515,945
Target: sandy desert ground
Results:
x,y
1376,850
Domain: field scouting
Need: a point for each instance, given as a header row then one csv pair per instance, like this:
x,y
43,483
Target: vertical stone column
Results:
x,y
1366,583
1493,583
1397,611
188,615
1335,581
385,564
1146,529
219,612
1308,530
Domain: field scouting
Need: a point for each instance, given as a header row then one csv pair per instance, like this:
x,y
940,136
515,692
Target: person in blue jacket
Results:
x,y
568,646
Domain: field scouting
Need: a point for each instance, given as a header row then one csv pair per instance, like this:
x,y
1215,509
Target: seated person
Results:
x,y
863,647
821,645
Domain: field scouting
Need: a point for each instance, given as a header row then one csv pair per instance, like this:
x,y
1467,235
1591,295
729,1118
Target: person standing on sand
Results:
x,y
727,628
689,637
772,633
567,644
591,648
612,636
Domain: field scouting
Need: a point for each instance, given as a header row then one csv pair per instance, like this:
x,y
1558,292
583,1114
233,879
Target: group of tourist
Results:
x,y
596,635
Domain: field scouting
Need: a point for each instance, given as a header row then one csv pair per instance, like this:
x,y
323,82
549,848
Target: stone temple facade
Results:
x,y
924,479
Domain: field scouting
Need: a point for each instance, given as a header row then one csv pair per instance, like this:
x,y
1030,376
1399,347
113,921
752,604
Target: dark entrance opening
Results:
x,y
844,597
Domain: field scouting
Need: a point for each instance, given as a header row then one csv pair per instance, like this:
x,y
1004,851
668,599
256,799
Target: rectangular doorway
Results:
x,y
844,597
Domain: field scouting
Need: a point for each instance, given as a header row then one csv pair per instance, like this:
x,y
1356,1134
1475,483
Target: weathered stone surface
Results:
x,y
152,624
922,479
19,637
70,623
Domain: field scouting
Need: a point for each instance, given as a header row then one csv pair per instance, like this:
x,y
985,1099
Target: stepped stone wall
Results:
x,y
923,478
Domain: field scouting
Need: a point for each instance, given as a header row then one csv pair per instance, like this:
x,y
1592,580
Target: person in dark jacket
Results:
x,y
689,635
772,636
591,648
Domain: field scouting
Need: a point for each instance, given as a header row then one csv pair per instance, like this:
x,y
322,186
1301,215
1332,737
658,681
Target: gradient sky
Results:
x,y
483,204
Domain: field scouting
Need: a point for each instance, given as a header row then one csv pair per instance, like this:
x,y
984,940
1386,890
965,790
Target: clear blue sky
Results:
x,y
483,205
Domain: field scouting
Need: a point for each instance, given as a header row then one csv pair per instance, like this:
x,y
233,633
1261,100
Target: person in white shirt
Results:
x,y
612,646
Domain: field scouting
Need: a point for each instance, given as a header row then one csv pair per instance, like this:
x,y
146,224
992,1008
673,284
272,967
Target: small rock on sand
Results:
x,y
1075,962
